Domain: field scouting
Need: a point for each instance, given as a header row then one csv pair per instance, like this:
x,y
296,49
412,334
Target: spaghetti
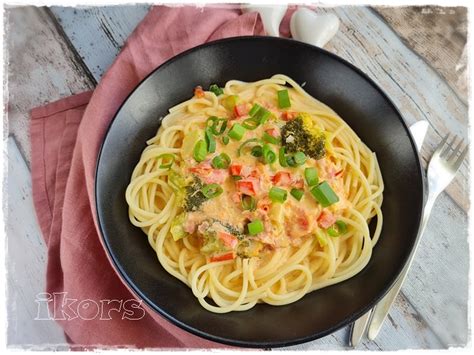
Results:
x,y
256,192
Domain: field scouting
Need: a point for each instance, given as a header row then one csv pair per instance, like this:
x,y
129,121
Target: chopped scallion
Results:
x,y
284,99
200,151
332,232
282,157
311,176
167,160
270,139
217,126
297,193
221,161
216,89
212,190
268,154
255,108
290,160
255,227
259,113
250,123
337,229
237,132
342,226
257,151
210,141
300,158
249,203
277,195
247,142
324,194
262,115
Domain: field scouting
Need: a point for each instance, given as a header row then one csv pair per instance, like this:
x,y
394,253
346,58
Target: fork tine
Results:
x,y
448,148
452,157
441,146
461,157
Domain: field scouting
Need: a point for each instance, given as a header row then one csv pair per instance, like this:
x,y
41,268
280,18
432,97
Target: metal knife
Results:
x,y
374,318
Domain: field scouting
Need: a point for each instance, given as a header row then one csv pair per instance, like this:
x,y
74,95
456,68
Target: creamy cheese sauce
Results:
x,y
285,223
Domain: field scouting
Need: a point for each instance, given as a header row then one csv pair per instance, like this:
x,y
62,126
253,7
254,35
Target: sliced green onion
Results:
x,y
249,203
268,154
262,115
225,140
277,195
290,160
255,227
342,226
216,89
337,229
221,161
200,151
222,126
259,113
283,99
255,108
311,176
212,120
270,139
324,194
257,151
236,177
167,160
297,193
321,238
237,132
212,190
210,141
218,125
230,101
332,232
251,123
300,158
248,141
282,157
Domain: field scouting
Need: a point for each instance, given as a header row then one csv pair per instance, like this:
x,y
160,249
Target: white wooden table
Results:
x,y
57,52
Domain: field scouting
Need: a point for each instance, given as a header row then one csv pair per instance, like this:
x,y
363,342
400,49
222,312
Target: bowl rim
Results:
x,y
130,284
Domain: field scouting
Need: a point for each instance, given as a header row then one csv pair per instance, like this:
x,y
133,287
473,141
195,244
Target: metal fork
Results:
x,y
442,168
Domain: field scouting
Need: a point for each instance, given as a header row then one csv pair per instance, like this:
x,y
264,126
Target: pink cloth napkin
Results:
x,y
87,297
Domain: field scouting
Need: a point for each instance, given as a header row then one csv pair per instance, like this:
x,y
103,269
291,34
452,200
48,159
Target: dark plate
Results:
x,y
360,102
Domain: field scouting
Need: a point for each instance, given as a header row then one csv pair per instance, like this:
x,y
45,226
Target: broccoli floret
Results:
x,y
211,244
248,248
177,229
301,135
194,196
229,228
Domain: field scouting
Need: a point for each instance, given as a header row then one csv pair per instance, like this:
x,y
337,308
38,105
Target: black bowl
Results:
x,y
355,97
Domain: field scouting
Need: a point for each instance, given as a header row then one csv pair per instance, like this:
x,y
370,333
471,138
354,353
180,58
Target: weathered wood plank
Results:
x,y
438,283
98,33
405,329
26,262
41,68
416,89
438,34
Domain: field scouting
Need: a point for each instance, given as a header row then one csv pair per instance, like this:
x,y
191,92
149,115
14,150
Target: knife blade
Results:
x,y
418,130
